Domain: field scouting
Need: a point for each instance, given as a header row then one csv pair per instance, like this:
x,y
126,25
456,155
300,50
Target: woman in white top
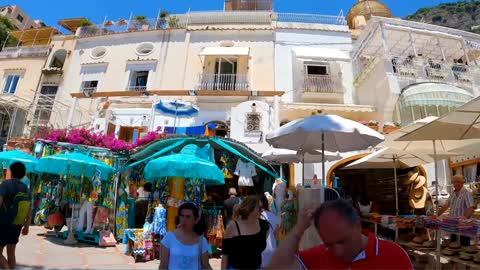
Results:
x,y
186,247
271,239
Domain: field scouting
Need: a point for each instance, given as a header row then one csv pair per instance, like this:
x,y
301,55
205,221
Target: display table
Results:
x,y
140,245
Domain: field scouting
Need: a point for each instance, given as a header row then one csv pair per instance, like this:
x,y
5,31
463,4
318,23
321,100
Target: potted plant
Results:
x,y
141,22
162,20
174,22
373,125
390,127
87,27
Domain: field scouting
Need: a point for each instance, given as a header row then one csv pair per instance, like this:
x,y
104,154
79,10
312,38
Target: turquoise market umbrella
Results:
x,y
9,157
74,164
185,164
77,164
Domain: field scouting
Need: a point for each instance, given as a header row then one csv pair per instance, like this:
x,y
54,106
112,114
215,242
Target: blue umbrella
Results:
x,y
187,164
77,164
9,157
177,108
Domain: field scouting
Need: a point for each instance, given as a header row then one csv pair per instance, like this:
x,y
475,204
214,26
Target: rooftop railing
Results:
x,y
33,51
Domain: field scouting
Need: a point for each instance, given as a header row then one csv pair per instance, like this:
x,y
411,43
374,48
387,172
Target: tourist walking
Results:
x,y
186,248
229,204
345,246
245,236
15,214
273,222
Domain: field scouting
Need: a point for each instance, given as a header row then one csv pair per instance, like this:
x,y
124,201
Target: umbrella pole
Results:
x,y
396,184
303,170
439,240
324,181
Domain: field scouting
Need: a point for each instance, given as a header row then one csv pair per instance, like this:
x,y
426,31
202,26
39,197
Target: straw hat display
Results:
x,y
471,250
476,258
429,244
464,256
418,191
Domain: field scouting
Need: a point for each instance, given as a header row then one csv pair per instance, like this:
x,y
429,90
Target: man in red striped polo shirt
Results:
x,y
345,245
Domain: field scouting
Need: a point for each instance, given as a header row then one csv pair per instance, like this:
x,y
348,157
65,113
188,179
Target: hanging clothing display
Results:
x,y
121,220
72,193
228,164
245,172
195,191
215,228
177,191
279,191
159,224
163,187
87,209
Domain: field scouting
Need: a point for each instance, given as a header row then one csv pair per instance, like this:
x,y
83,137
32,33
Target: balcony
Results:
x,y
137,88
322,84
16,52
88,91
52,70
223,82
311,18
417,68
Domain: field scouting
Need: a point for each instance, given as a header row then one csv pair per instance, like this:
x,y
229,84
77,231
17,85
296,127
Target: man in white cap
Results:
x,y
461,204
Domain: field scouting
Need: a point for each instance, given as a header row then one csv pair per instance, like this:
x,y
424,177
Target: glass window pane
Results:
x,y
8,82
13,87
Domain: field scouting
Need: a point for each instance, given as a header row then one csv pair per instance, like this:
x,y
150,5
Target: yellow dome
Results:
x,y
368,8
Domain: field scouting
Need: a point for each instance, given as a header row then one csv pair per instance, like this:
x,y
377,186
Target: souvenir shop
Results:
x,y
156,201
89,200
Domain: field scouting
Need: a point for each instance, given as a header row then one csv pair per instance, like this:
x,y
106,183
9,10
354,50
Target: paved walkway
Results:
x,y
41,249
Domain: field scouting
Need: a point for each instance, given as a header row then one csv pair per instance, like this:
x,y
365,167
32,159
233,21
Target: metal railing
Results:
x,y
230,17
88,91
136,88
225,82
322,84
404,67
180,21
148,24
33,51
311,18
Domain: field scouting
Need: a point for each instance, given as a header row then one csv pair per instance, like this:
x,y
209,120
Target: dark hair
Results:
x,y
200,227
246,207
264,201
18,170
341,207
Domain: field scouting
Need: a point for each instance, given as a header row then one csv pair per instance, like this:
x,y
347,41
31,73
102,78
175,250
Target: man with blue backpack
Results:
x,y
15,213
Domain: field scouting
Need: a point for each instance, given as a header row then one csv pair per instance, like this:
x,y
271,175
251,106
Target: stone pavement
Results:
x,y
41,249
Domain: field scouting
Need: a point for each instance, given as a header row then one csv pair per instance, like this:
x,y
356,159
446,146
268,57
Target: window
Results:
x,y
89,85
98,52
253,122
11,84
138,80
145,48
317,69
20,18
58,59
45,104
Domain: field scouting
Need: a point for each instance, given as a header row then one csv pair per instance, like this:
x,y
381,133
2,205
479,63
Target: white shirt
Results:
x,y
460,203
245,171
271,240
183,256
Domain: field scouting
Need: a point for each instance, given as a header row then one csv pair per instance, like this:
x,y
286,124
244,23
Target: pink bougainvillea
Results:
x,y
87,137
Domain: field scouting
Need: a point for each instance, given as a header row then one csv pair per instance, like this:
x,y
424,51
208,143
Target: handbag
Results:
x,y
55,219
107,239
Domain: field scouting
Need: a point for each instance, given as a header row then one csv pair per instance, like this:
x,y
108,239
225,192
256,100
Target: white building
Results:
x,y
19,18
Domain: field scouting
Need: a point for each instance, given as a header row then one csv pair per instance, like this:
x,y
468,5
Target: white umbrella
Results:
x,y
388,158
326,132
461,124
290,156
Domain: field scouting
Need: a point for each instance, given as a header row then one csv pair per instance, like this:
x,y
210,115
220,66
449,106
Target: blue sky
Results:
x,y
51,11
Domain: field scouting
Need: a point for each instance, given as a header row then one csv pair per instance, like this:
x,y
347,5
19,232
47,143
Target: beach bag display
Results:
x,y
107,239
56,219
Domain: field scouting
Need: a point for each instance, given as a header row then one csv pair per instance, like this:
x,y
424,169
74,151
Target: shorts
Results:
x,y
9,234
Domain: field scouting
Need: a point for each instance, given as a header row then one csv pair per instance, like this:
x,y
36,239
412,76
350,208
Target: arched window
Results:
x,y
58,59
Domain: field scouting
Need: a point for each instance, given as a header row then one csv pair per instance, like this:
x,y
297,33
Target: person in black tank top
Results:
x,y
245,237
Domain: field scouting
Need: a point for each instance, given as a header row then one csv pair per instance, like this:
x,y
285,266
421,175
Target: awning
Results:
x,y
322,54
330,107
225,51
434,94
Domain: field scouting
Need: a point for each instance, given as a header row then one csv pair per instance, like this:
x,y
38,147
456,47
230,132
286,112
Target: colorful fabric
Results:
x,y
72,193
195,191
121,219
162,185
159,225
460,203
228,161
289,215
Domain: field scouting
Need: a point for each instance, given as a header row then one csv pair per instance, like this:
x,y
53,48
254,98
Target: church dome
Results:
x,y
367,9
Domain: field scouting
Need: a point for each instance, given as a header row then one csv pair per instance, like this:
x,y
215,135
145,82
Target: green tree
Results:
x,y
5,27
